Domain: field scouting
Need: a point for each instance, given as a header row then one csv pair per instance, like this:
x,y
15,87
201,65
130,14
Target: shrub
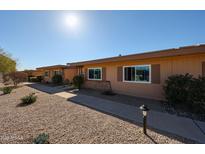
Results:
x,y
33,79
31,98
7,90
41,139
187,91
197,94
177,88
57,79
36,79
39,78
78,80
197,89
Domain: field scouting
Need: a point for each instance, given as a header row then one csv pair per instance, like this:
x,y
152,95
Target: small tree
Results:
x,y
16,77
78,80
7,64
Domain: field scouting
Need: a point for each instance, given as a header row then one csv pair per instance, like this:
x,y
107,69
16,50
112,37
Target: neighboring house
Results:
x,y
49,71
67,72
37,73
143,74
33,73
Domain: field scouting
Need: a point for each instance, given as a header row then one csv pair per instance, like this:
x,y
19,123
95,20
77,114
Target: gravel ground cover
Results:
x,y
66,122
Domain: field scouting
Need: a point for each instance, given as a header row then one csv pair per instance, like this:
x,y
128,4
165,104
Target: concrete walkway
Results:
x,y
165,122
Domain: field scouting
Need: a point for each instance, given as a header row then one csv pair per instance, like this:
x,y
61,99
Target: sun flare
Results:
x,y
72,20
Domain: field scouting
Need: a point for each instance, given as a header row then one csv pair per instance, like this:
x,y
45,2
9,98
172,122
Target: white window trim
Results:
x,y
95,68
147,82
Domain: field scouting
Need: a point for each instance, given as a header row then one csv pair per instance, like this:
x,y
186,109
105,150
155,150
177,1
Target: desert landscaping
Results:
x,y
67,122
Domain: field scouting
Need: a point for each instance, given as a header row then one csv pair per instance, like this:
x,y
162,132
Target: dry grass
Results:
x,y
66,122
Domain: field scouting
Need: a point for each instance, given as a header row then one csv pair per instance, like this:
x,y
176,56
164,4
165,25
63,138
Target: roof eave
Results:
x,y
187,50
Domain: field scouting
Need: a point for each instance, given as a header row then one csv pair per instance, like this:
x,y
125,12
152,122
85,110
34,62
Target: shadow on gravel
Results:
x,y
151,139
22,105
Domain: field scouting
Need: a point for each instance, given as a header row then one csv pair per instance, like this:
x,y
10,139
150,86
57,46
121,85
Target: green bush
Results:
x,y
7,90
78,80
177,88
39,78
41,139
31,98
57,79
197,89
33,79
36,79
187,91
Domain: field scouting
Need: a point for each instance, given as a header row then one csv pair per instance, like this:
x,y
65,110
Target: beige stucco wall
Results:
x,y
168,66
37,73
70,73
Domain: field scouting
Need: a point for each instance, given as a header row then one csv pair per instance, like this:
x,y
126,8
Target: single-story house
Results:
x,y
47,72
37,73
33,73
143,74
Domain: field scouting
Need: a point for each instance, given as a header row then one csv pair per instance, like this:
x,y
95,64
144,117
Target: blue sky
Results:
x,y
42,38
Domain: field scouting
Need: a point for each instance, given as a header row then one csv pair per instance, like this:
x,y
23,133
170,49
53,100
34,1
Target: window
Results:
x,y
95,73
139,73
57,72
46,73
